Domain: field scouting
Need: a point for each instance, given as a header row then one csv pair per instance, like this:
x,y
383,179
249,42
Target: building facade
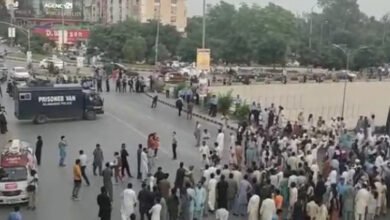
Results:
x,y
108,11
169,12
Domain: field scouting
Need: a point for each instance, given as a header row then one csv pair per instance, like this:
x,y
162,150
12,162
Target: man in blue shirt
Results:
x,y
15,215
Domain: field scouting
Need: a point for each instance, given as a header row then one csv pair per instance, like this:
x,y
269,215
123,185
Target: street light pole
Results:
x,y
63,35
349,55
311,25
385,20
204,25
157,36
28,39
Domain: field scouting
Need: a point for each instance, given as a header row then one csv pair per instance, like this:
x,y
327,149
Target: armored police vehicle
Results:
x,y
43,101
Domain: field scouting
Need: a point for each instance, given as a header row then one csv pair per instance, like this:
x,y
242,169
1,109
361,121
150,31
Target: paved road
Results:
x,y
128,119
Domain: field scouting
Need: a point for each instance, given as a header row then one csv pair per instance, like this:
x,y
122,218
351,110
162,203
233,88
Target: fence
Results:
x,y
362,98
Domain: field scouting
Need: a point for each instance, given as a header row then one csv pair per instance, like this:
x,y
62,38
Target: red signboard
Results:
x,y
76,35
9,186
13,160
70,36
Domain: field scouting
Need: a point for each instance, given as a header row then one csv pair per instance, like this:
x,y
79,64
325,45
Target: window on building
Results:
x,y
173,19
174,2
173,10
156,1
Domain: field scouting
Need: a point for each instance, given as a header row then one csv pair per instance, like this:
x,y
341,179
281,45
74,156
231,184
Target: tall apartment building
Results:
x,y
172,12
109,11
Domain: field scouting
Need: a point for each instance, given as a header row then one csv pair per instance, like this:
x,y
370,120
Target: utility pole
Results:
x,y
157,35
311,25
349,55
63,35
204,25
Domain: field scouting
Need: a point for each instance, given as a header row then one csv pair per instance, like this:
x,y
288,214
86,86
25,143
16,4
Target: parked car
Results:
x,y
44,64
19,74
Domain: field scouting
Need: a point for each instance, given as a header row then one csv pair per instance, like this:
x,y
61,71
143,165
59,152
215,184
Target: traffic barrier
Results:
x,y
201,116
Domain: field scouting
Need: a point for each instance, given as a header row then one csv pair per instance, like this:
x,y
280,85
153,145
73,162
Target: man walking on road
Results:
x,y
104,205
179,105
76,180
62,145
197,134
129,202
98,159
139,153
125,164
154,100
38,149
174,145
83,164
107,180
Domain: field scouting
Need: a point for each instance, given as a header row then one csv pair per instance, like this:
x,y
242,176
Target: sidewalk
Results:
x,y
197,111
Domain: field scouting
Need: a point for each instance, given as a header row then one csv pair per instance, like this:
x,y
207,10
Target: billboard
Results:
x,y
70,36
203,59
23,8
70,9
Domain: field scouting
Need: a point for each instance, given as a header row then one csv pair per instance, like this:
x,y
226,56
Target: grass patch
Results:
x,y
23,56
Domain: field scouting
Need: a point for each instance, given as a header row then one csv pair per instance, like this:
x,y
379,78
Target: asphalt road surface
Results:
x,y
128,119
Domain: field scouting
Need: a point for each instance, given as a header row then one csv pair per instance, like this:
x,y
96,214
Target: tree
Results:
x,y
272,49
134,49
269,35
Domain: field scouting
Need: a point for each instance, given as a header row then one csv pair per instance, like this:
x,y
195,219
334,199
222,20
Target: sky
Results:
x,y
376,8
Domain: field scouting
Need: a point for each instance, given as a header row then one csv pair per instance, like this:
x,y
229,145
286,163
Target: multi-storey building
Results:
x,y
169,12
109,11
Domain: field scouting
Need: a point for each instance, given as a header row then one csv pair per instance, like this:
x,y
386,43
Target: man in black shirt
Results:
x,y
144,197
180,173
125,164
139,152
222,187
104,203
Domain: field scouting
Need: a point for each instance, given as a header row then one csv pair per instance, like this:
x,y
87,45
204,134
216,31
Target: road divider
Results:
x,y
198,115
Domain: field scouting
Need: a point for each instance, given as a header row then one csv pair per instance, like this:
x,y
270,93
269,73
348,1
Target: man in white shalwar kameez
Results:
x,y
211,188
362,200
253,207
144,164
129,201
268,209
220,140
155,211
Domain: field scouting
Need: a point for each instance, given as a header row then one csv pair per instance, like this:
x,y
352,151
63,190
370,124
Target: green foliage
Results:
x,y
133,41
269,35
134,49
242,112
225,101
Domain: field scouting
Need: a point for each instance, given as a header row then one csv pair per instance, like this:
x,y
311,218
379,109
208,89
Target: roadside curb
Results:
x,y
201,116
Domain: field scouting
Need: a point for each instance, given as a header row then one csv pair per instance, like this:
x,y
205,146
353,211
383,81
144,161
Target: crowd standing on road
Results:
x,y
271,168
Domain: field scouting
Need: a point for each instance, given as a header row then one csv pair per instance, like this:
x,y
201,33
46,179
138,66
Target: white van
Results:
x,y
16,162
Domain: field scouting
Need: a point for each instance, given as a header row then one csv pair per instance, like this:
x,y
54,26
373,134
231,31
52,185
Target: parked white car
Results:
x,y
20,74
44,64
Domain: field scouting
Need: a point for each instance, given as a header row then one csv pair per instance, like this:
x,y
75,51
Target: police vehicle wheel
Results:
x,y
40,119
90,115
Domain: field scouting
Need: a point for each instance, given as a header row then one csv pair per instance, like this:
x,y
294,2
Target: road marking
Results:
x,y
128,125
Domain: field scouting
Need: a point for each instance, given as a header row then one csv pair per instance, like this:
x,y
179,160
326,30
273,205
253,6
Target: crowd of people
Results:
x,y
271,168
268,170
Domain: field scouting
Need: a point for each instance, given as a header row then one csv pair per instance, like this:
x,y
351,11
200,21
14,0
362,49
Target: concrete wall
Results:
x,y
362,98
